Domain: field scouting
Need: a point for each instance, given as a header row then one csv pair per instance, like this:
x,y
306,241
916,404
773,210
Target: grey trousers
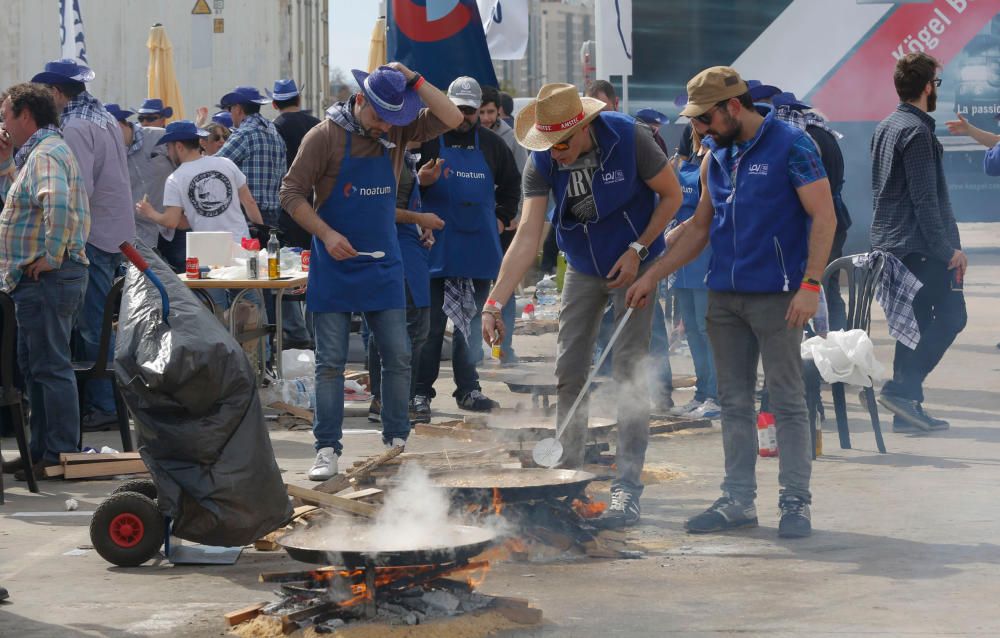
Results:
x,y
743,329
583,300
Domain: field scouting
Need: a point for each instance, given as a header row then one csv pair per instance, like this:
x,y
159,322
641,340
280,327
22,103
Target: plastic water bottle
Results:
x,y
273,262
548,296
300,392
821,322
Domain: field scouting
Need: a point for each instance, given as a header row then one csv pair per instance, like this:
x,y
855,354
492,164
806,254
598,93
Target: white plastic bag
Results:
x,y
844,357
298,363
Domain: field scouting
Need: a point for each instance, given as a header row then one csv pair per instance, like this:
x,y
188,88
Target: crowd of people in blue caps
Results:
x,y
423,206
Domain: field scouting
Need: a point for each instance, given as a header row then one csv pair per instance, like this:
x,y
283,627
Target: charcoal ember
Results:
x,y
393,609
474,601
441,600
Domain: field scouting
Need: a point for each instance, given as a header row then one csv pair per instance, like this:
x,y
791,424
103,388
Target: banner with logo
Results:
x,y
614,37
506,25
71,31
441,39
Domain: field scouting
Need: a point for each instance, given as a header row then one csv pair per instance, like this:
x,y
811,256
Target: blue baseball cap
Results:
x,y
788,99
385,89
154,106
64,71
118,113
760,91
243,95
182,130
681,100
285,90
223,118
652,116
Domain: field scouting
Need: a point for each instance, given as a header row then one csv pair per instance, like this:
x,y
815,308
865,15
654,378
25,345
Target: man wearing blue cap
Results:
x,y
148,170
95,139
154,113
257,149
351,161
43,264
654,120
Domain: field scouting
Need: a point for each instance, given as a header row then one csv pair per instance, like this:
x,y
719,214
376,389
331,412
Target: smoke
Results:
x,y
415,511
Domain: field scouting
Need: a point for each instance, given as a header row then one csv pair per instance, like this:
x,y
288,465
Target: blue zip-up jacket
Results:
x,y
624,202
692,274
760,230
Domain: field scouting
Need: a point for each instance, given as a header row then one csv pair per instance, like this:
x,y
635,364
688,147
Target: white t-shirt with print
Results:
x,y
207,190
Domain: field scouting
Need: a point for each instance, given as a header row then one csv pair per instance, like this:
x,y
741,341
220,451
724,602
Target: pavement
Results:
x,y
905,543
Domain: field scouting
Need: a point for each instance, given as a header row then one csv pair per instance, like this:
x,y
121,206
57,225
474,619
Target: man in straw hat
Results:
x,y
605,172
767,208
351,161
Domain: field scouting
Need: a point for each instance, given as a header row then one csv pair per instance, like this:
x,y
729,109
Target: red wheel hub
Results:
x,y
126,530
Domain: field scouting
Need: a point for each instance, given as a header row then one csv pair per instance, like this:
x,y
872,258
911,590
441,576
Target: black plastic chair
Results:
x,y
861,284
10,394
100,369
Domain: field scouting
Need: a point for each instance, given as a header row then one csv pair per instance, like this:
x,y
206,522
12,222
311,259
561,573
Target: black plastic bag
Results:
x,y
200,425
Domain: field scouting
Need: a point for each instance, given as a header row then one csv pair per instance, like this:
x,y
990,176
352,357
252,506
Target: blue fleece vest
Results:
x,y
624,202
691,275
760,231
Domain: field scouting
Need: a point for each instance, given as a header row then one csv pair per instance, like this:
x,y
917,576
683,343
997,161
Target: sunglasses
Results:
x,y
148,118
706,117
560,146
467,110
936,81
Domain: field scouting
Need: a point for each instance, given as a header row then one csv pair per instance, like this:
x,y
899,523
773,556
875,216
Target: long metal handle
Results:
x,y
593,373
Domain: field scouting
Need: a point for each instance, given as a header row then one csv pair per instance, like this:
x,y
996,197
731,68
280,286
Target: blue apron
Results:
x,y
418,278
469,244
362,208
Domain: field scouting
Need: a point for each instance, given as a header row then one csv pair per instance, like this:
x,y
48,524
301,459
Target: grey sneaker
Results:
x,y
420,409
725,513
905,410
794,521
394,443
476,401
935,423
623,511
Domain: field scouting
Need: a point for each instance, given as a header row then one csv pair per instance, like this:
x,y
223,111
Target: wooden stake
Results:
x,y
322,499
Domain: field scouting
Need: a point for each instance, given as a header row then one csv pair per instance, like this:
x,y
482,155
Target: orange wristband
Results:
x,y
812,287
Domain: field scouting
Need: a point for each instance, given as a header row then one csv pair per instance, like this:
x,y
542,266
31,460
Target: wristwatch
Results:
x,y
640,250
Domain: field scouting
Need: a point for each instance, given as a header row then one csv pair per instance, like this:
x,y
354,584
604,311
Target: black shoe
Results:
x,y
9,467
725,513
936,424
99,421
3,594
794,518
622,512
375,411
905,410
900,426
420,409
22,475
476,401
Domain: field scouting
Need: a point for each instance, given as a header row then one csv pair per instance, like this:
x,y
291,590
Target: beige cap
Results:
x,y
712,86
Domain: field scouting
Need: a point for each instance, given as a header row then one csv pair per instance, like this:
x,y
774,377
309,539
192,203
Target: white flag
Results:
x,y
614,37
506,25
71,31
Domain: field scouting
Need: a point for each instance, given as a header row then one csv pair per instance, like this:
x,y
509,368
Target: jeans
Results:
x,y
45,311
661,378
175,250
463,349
940,313
102,272
583,301
745,328
693,306
332,332
417,325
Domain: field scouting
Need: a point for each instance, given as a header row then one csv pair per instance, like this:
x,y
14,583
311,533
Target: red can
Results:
x,y
305,260
192,269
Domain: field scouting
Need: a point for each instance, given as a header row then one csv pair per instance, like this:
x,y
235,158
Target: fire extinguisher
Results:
x,y
767,438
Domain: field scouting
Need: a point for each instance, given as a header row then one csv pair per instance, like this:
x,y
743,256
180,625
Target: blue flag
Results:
x,y
441,39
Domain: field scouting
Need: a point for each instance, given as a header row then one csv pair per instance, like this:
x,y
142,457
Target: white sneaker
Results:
x,y
707,410
690,406
396,442
325,466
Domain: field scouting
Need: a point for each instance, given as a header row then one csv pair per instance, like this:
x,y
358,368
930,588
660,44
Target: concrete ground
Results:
x,y
905,543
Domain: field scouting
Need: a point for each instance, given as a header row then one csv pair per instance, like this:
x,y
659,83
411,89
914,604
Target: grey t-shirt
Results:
x,y
649,158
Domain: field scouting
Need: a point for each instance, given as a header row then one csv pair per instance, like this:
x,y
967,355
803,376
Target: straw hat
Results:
x,y
554,116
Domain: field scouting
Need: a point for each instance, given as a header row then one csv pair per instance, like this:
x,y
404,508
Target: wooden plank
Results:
x,y
356,495
250,612
82,457
54,471
107,468
665,426
295,411
343,481
322,499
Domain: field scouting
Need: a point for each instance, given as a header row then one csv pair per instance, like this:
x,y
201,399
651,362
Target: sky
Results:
x,y
351,23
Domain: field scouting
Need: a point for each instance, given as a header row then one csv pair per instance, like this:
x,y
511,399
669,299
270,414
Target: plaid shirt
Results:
x,y
46,211
895,291
87,107
258,150
137,136
912,210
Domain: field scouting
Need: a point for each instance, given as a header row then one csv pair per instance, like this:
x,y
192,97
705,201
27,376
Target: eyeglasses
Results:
x,y
706,117
148,118
936,81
